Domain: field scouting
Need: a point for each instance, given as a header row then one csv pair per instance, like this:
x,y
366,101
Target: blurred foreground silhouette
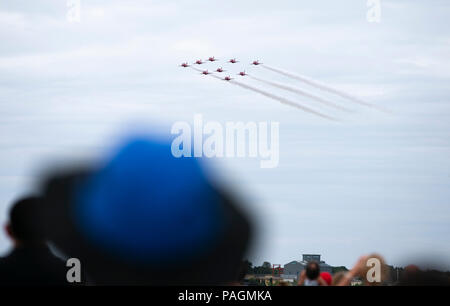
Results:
x,y
145,217
140,216
30,262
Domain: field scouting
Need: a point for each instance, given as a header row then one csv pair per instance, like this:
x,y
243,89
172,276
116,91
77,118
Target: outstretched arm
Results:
x,y
301,280
355,271
321,281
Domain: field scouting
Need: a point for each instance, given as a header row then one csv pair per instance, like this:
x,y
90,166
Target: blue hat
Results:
x,y
146,205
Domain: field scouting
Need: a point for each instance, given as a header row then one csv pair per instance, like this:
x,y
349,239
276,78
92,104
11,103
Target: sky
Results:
x,y
372,182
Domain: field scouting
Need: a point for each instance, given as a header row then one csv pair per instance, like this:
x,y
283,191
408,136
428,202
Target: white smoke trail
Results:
x,y
281,100
322,86
302,93
199,70
269,95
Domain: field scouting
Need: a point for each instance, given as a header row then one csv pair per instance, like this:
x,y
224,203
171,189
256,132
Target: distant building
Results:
x,y
293,269
311,257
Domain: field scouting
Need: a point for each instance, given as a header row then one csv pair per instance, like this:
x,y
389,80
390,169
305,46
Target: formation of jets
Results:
x,y
306,80
220,69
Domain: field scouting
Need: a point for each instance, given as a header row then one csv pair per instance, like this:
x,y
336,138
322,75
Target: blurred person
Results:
x,y
30,262
240,280
337,277
361,269
311,275
145,217
413,276
326,276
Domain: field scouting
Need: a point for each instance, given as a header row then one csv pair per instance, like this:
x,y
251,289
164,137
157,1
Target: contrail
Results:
x,y
302,93
269,95
199,70
280,99
321,86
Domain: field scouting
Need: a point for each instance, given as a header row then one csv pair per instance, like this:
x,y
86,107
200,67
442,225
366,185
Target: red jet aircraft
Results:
x,y
212,59
220,70
256,63
206,72
242,73
233,61
184,65
198,62
227,78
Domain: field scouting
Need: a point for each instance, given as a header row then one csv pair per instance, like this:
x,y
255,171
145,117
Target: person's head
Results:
x,y
156,218
23,225
312,270
326,276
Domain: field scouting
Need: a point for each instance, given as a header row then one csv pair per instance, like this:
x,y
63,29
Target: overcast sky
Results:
x,y
373,182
